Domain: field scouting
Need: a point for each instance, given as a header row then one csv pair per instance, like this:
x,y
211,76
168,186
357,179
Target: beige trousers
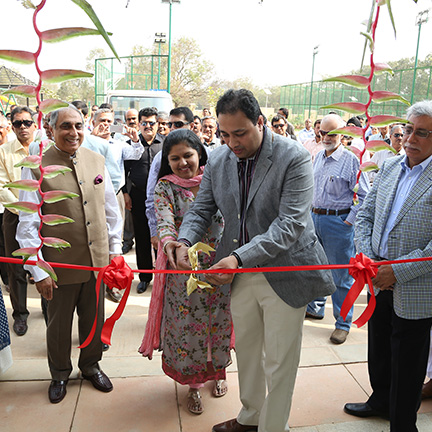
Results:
x,y
268,342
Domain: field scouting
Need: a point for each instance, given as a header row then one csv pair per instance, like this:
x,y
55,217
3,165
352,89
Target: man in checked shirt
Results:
x,y
333,213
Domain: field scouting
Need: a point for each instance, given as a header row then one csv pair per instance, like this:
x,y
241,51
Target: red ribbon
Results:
x,y
116,275
362,269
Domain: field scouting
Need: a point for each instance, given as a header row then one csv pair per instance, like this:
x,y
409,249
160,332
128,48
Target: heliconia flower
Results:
x,y
358,81
25,253
55,242
24,206
58,195
55,219
23,57
98,179
369,37
47,268
51,171
354,150
368,166
32,161
351,107
60,75
61,34
356,187
384,120
27,185
377,145
46,144
384,96
383,67
352,131
38,136
49,105
24,90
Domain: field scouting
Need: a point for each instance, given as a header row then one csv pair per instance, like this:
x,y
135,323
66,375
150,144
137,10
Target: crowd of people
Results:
x,y
258,193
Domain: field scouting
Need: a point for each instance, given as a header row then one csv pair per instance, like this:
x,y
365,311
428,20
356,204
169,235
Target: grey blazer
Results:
x,y
278,217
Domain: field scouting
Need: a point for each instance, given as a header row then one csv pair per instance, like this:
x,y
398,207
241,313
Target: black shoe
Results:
x,y
105,347
20,327
311,316
142,287
57,391
364,410
126,248
100,381
112,295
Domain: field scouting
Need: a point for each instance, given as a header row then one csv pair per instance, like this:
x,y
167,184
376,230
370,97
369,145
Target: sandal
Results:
x,y
220,388
194,402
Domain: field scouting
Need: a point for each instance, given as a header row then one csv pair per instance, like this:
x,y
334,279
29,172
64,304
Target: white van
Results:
x,y
122,100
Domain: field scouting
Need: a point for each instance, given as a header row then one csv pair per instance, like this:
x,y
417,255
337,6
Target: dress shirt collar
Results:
x,y
337,154
423,165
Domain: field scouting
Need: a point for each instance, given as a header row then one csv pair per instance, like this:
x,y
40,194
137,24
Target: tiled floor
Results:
x,y
144,399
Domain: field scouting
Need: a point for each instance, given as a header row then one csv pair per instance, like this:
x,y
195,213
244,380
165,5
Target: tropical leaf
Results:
x,y
368,36
60,75
358,81
55,219
61,34
32,161
351,107
352,131
368,29
24,206
391,15
25,253
384,120
58,195
86,7
368,166
49,105
24,90
384,96
47,268
23,57
51,171
56,243
28,4
377,145
27,185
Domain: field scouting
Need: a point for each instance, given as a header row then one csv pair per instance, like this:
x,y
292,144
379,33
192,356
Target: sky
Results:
x,y
270,42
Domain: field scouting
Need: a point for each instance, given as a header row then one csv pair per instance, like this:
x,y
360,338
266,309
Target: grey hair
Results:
x,y
162,115
423,108
102,111
208,117
392,130
54,114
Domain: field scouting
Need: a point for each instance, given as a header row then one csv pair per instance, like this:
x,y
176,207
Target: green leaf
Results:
x,y
23,57
24,206
27,185
351,107
59,75
28,4
24,90
58,195
32,161
368,36
368,166
49,105
55,219
86,7
61,34
368,29
384,96
358,81
25,253
352,131
377,145
391,16
56,243
47,268
384,120
51,171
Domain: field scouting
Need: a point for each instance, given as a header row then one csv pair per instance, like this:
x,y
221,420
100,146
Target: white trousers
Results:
x,y
268,341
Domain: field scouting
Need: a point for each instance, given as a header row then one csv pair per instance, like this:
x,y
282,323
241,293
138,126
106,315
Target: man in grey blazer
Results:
x,y
395,223
262,183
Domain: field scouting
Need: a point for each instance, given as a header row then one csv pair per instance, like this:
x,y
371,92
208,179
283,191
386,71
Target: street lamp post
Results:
x,y
422,17
169,42
160,39
315,52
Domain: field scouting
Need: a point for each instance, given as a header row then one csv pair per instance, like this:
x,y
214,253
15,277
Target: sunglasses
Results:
x,y
145,123
324,133
18,123
398,135
278,125
177,124
421,133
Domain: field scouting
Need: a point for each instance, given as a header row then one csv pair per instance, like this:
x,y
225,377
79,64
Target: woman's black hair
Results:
x,y
176,137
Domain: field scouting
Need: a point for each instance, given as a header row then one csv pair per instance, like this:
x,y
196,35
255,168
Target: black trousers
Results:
x,y
142,233
3,266
397,360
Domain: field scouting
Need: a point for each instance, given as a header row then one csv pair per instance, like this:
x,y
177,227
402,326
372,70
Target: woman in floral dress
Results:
x,y
194,332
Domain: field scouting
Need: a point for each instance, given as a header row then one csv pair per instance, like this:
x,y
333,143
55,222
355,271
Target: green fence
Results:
x,y
297,96
144,72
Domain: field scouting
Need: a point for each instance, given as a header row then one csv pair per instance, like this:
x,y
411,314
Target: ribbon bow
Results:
x,y
193,282
363,270
116,275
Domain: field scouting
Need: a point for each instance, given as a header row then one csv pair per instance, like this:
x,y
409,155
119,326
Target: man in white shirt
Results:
x,y
382,134
307,132
209,128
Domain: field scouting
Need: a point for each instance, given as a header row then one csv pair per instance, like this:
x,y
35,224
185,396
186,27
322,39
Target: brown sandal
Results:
x,y
194,402
220,388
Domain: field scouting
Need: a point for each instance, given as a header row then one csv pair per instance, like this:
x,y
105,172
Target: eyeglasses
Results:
x,y
421,133
18,123
177,124
398,135
278,125
145,123
324,133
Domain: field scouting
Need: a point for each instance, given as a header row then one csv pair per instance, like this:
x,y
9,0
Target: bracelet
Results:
x,y
165,245
239,261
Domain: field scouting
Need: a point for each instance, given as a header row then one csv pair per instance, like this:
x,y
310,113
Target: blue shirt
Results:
x,y
407,180
335,177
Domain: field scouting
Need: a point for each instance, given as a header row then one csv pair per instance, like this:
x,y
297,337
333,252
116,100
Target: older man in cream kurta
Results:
x,y
95,237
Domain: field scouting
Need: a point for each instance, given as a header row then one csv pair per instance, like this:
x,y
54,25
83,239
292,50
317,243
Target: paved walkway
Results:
x,y
144,399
